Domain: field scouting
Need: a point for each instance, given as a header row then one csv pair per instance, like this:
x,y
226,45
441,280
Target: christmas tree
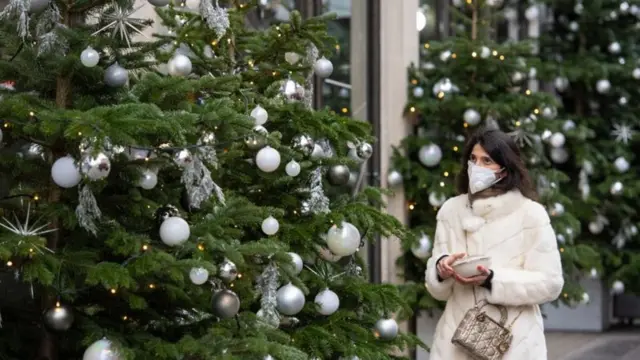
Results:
x,y
177,197
596,77
463,83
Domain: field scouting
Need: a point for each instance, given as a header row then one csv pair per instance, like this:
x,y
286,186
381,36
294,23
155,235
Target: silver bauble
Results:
x,y
179,65
517,78
549,112
291,90
557,209
443,87
636,73
304,144
418,92
561,83
116,76
603,86
568,125
159,3
225,304
290,299
436,199
394,178
323,67
616,188
615,47
257,139
95,167
596,227
622,101
32,151
386,329
228,271
338,175
422,249
89,57
559,155
430,155
617,287
557,140
59,318
471,117
297,262
102,349
364,150
621,164
38,6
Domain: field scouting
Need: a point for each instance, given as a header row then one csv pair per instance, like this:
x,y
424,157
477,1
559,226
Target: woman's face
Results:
x,y
481,158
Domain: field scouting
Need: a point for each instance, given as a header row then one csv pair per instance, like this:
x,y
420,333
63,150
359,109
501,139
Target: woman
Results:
x,y
495,215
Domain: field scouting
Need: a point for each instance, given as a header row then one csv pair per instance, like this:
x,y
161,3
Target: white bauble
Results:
x,y
594,273
270,225
561,83
568,125
260,115
159,3
394,178
615,47
621,164
268,159
437,199
596,227
532,13
101,350
199,275
343,240
65,173
174,231
386,329
318,152
603,86
148,180
557,140
585,299
179,65
617,287
559,155
418,91
636,73
327,302
430,155
289,299
116,76
291,57
323,67
297,262
471,117
616,188
89,57
293,168
422,249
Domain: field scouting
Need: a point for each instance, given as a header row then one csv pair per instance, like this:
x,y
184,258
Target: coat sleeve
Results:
x,y
440,290
541,278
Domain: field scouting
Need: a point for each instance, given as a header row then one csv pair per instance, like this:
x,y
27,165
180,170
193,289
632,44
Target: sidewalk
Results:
x,y
608,346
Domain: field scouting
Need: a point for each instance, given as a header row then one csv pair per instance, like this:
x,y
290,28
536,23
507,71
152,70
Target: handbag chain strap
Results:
x,y
475,299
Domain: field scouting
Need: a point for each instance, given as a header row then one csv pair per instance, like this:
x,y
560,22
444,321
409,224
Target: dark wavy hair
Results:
x,y
504,151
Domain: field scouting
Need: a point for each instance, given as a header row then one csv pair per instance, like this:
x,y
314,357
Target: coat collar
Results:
x,y
488,209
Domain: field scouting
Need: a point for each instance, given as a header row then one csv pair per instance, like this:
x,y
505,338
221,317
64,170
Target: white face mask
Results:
x,y
481,178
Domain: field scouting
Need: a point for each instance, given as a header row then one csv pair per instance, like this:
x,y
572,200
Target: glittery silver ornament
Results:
x,y
179,65
257,139
32,151
364,150
394,178
386,329
292,91
616,188
116,76
95,167
290,299
338,175
183,158
159,3
89,57
225,304
430,155
59,318
323,67
228,271
471,117
304,144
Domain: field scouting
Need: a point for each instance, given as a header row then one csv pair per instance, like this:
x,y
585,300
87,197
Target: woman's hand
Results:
x,y
475,280
444,265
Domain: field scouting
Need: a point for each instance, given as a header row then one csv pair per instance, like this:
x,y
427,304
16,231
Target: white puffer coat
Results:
x,y
517,234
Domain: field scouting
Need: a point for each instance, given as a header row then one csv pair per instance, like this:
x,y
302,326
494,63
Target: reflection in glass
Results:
x,y
427,21
336,90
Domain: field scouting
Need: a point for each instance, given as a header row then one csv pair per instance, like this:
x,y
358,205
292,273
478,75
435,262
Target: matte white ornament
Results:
x,y
422,249
65,173
199,275
621,164
430,155
270,226
594,273
101,350
568,125
557,140
617,287
293,168
268,159
89,57
148,180
323,67
174,231
116,75
260,115
471,117
289,299
343,240
549,112
159,3
297,262
615,47
603,86
485,52
179,65
327,302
